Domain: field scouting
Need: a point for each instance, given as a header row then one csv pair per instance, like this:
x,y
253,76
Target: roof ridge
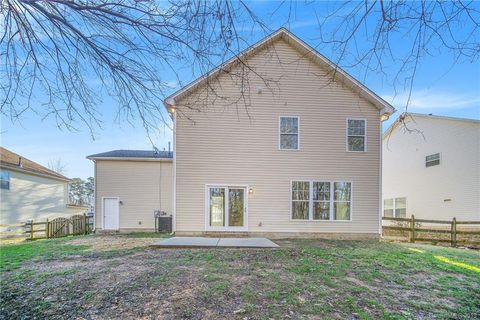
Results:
x,y
44,170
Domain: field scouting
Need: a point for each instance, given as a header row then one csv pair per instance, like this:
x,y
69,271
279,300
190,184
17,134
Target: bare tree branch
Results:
x,y
59,57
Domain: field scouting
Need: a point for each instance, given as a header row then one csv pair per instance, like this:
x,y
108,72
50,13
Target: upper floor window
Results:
x,y
356,135
5,180
289,133
432,160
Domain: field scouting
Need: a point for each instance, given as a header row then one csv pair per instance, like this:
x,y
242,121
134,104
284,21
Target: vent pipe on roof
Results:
x,y
169,147
20,162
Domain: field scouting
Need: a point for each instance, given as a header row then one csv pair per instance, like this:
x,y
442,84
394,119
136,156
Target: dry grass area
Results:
x,y
121,277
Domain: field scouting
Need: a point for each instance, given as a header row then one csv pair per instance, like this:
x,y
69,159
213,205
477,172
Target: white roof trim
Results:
x,y
130,159
384,107
412,115
34,173
433,116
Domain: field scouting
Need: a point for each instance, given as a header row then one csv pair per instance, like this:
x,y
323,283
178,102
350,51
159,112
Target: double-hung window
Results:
x,y
342,200
5,180
321,200
356,135
388,208
300,200
289,133
400,207
395,207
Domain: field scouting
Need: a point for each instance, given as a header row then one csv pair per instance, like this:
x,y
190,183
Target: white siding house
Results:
x,y
31,191
277,141
300,157
431,168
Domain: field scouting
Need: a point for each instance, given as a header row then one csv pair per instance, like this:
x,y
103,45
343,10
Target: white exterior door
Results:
x,y
226,208
111,212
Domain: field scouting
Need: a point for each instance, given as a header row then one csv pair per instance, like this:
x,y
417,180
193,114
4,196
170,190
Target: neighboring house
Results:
x,y
431,168
291,148
130,186
31,191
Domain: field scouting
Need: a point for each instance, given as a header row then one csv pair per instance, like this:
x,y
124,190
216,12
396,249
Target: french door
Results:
x,y
226,208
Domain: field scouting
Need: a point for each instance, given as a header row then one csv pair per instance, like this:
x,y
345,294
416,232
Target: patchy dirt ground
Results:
x,y
113,242
120,277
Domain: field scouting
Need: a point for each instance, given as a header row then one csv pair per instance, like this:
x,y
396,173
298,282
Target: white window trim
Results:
x,y
207,207
310,200
365,135
394,201
280,132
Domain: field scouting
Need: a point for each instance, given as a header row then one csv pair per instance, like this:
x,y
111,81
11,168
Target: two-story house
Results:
x,y
431,168
276,141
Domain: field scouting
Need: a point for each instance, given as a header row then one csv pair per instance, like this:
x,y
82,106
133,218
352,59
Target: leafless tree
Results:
x,y
392,38
59,56
58,166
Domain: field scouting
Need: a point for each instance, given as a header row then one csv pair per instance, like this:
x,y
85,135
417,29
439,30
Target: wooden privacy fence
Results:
x,y
453,231
58,227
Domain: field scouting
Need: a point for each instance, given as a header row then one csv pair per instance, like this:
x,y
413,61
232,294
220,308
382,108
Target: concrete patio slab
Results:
x,y
246,243
187,242
204,242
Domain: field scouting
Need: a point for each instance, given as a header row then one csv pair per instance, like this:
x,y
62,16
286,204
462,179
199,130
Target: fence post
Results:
x,y
47,229
412,229
31,229
454,232
85,224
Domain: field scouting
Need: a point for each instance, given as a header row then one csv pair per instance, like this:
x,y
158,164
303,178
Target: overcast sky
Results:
x,y
440,87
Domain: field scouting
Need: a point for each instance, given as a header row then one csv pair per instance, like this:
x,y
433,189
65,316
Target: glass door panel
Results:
x,y
236,208
217,207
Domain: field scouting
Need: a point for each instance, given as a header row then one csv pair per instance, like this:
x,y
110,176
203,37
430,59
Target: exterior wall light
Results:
x,y
250,190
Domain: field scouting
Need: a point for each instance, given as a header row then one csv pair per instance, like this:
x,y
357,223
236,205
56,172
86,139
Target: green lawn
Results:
x,y
302,279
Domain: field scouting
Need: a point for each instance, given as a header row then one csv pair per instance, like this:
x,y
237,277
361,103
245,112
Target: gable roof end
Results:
x,y
385,108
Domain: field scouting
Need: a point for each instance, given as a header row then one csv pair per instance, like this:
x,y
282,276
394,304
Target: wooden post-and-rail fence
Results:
x,y
417,232
58,227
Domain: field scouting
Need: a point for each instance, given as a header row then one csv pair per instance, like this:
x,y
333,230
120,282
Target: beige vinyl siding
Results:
x,y
32,197
226,143
142,186
457,178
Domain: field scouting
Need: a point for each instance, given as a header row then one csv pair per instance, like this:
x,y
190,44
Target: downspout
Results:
x,y
380,181
160,188
94,194
170,105
384,116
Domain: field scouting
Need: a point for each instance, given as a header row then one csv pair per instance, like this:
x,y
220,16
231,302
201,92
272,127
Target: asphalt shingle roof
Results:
x,y
134,154
11,160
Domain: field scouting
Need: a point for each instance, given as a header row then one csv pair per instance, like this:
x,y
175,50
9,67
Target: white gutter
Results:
x,y
130,159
